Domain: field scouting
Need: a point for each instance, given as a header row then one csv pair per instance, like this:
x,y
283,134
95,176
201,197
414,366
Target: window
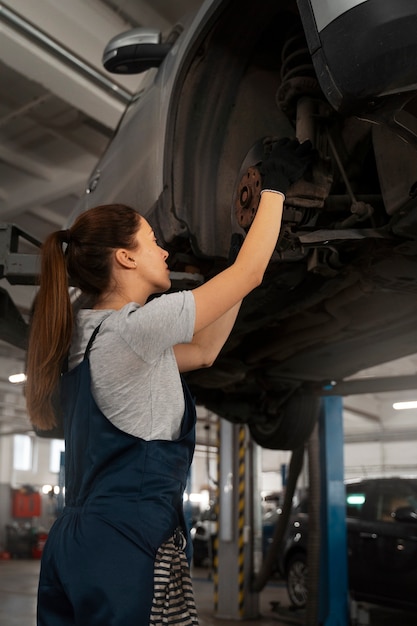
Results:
x,y
22,452
354,503
395,496
57,446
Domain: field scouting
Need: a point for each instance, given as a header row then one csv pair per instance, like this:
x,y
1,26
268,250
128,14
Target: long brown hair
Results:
x,y
86,264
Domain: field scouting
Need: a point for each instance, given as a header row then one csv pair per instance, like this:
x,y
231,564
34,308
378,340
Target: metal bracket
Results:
x,y
19,268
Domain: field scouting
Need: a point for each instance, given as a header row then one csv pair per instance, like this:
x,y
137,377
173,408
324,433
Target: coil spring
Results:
x,y
295,58
298,77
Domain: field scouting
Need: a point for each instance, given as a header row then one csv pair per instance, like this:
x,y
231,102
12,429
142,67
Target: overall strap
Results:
x,y
91,340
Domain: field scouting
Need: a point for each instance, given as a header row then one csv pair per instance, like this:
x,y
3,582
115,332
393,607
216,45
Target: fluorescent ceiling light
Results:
x,y
400,406
17,378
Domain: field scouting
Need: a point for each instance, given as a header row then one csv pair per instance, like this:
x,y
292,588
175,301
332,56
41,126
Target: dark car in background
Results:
x,y
381,516
225,84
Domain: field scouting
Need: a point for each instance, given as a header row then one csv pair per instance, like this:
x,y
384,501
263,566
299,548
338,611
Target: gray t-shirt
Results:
x,y
135,378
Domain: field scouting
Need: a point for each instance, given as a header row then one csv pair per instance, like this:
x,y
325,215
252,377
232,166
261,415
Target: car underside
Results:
x,y
340,292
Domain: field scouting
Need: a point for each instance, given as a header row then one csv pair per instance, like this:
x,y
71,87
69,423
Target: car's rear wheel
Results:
x,y
297,580
290,427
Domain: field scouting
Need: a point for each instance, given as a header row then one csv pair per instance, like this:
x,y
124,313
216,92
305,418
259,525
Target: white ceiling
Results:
x,y
58,110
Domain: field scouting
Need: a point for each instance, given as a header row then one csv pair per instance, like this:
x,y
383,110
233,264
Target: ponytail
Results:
x,y
50,333
87,265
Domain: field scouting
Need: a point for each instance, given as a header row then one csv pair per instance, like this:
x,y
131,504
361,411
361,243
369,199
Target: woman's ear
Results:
x,y
123,258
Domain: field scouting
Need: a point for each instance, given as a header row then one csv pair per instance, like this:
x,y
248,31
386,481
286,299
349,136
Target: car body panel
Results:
x,y
379,35
325,11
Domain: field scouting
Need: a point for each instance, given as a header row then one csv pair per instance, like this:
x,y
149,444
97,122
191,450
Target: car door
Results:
x,y
359,506
386,549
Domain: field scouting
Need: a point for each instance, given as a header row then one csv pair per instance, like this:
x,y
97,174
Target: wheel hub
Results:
x,y
247,197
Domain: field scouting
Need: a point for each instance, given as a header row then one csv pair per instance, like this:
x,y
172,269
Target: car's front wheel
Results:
x,y
297,580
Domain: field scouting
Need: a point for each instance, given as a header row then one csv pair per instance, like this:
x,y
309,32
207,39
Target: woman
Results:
x,y
116,555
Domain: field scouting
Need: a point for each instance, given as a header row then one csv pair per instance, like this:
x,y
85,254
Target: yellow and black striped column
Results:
x,y
217,511
241,519
233,596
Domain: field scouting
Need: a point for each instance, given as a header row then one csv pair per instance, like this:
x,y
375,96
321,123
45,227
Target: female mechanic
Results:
x,y
111,372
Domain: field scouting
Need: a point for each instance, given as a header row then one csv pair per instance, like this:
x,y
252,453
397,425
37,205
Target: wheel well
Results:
x,y
235,77
293,552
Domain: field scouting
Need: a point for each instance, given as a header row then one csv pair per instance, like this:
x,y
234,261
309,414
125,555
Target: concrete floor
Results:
x,y
18,585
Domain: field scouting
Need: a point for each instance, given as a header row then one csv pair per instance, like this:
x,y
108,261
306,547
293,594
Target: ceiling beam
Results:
x,y
382,435
68,76
23,163
82,27
62,181
381,384
141,12
360,413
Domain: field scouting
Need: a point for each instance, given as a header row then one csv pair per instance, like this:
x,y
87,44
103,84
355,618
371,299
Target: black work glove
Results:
x,y
288,161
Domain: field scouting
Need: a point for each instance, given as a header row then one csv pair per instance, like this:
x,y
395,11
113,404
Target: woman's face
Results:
x,y
151,260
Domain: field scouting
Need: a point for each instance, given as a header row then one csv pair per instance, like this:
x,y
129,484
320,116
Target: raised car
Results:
x,y
340,292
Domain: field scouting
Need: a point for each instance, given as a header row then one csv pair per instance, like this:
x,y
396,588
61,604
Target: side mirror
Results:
x,y
406,514
135,51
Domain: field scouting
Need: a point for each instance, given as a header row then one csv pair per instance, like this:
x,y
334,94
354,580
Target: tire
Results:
x,y
297,580
291,427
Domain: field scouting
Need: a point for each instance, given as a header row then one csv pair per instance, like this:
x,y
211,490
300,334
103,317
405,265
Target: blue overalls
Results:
x,y
124,498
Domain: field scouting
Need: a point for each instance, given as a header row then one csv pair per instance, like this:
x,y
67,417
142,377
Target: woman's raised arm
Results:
x,y
287,163
218,301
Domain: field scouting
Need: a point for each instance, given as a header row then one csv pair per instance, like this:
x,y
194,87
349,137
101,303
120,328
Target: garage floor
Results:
x,y
18,584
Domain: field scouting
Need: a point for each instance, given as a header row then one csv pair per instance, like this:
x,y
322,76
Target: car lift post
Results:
x,y
233,597
334,594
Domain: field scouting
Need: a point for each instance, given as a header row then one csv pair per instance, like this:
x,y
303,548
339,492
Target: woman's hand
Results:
x,y
286,164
